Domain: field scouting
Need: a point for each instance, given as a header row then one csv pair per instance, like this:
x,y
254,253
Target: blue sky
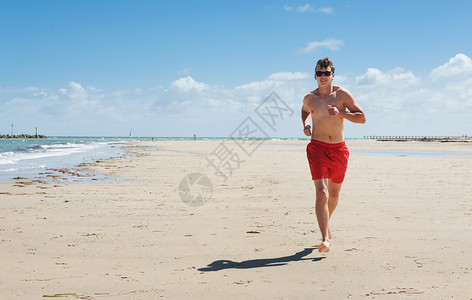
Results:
x,y
175,68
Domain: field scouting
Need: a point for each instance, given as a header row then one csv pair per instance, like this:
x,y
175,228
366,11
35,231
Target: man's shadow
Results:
x,y
219,265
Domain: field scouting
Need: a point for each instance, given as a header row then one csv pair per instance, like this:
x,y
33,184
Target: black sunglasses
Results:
x,y
325,73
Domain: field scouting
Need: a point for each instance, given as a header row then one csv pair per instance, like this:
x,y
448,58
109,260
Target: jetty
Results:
x,y
401,138
23,136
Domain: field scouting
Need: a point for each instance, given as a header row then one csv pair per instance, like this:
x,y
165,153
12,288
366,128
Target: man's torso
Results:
x,y
327,128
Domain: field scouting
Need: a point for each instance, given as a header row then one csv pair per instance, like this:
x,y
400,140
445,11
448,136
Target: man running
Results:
x,y
327,107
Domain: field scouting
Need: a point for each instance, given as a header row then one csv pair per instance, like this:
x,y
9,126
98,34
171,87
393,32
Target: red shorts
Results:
x,y
327,160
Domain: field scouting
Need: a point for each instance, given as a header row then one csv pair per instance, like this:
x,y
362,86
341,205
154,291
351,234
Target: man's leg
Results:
x,y
333,199
327,198
321,209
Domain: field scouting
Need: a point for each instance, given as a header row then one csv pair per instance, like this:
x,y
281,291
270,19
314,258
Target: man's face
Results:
x,y
324,76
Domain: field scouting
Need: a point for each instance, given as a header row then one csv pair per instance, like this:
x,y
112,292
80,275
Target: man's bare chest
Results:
x,y
319,105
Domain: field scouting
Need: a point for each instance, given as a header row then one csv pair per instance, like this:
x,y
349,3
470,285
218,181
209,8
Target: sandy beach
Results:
x,y
403,226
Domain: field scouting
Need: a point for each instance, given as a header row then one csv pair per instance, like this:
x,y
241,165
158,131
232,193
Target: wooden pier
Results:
x,y
419,138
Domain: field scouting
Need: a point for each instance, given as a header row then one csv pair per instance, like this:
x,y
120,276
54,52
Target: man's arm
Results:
x,y
354,114
306,116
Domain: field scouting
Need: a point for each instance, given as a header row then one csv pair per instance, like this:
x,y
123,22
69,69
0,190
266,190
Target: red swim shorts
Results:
x,y
327,160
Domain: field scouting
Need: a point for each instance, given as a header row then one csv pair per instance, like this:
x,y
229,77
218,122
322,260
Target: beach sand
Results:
x,y
403,226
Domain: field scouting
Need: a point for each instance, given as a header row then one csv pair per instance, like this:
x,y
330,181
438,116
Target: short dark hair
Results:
x,y
325,63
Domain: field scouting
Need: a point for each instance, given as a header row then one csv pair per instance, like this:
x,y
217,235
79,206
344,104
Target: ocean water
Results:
x,y
30,157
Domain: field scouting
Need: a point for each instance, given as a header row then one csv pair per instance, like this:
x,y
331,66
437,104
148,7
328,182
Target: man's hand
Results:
x,y
307,130
333,110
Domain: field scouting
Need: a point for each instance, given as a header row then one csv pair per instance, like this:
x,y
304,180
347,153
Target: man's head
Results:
x,y
324,68
324,63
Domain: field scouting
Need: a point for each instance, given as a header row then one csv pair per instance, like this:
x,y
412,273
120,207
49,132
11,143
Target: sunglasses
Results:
x,y
325,73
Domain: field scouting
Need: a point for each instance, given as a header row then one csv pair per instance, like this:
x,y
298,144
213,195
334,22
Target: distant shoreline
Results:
x,y
443,139
23,136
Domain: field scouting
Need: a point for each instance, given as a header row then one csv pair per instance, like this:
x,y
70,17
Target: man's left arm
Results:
x,y
355,113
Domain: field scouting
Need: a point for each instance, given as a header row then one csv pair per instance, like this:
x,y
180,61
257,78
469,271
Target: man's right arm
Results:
x,y
306,116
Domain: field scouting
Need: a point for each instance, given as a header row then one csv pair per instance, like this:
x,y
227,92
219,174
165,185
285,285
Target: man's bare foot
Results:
x,y
323,247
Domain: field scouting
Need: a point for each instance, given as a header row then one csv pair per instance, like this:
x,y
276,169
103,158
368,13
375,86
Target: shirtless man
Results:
x,y
327,107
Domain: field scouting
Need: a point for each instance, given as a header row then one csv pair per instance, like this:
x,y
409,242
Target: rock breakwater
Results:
x,y
23,136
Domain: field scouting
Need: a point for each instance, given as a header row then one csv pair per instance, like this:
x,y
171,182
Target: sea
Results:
x,y
26,158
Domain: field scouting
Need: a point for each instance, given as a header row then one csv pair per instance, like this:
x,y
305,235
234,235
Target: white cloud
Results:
x,y
304,8
185,71
120,93
94,89
76,91
284,82
288,76
325,10
288,8
41,94
330,44
397,102
301,8
458,65
308,8
397,78
462,91
258,85
19,90
421,106
391,92
188,84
